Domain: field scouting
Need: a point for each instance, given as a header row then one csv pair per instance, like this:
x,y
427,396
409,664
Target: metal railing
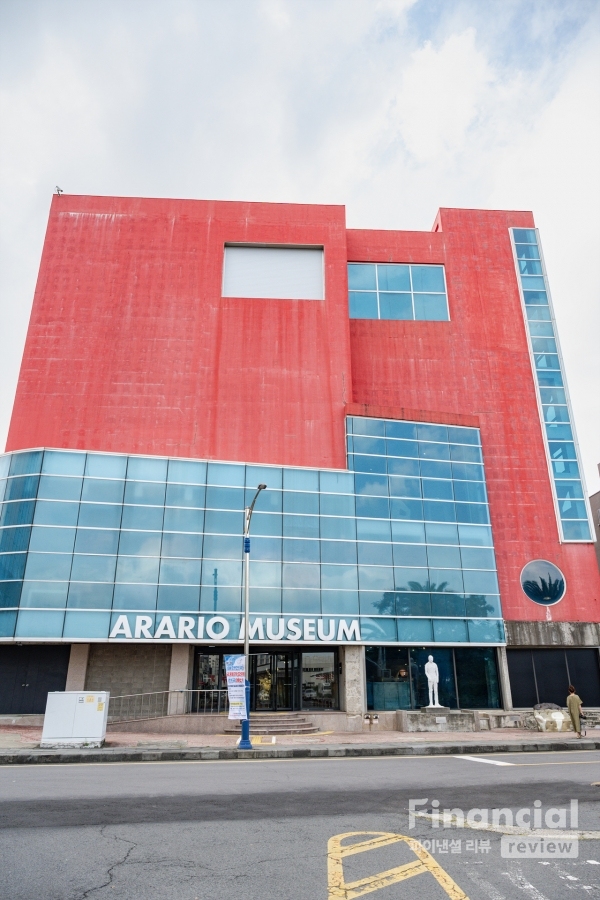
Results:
x,y
131,707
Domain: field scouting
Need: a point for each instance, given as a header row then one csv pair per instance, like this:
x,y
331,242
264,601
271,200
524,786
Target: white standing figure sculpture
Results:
x,y
433,680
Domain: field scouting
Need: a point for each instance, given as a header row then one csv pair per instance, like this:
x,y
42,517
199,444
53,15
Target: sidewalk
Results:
x,y
21,745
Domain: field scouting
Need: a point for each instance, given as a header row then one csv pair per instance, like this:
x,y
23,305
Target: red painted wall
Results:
x,y
477,364
131,347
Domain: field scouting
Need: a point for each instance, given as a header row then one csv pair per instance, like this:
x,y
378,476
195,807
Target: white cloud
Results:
x,y
393,108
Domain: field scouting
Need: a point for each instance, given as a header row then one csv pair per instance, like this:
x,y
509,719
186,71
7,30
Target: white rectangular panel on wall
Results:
x,y
277,273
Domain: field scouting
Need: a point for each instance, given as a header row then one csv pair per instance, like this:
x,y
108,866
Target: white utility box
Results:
x,y
75,719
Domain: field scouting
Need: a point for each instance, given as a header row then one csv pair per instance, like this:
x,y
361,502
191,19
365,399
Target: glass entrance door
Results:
x,y
275,680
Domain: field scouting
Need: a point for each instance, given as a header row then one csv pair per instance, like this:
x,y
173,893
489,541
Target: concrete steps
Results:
x,y
275,723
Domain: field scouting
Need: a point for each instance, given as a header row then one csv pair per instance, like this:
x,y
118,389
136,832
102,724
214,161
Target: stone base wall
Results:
x,y
130,669
552,634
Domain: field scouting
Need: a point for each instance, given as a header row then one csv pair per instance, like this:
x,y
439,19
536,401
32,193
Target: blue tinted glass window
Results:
x,y
447,580
397,306
572,509
527,251
372,553
373,529
56,488
474,535
99,490
178,597
369,445
180,571
406,509
137,569
17,513
433,451
479,582
98,465
373,507
343,603
134,596
439,511
185,495
90,596
471,512
269,475
363,305
139,543
339,577
298,550
337,504
12,565
559,431
141,468
401,448
270,524
568,490
92,540
301,526
49,512
359,425
393,278
556,413
267,548
142,517
338,552
524,235
538,313
431,468
93,568
86,624
361,277
466,472
145,492
447,604
562,450
224,498
410,555
21,488
223,572
471,491
223,474
457,435
474,558
58,463
50,566
444,556
44,594
268,501
338,528
98,515
14,539
441,534
52,540
411,579
301,502
375,578
297,575
219,546
182,545
404,430
447,630
220,522
530,267
462,453
337,482
431,307
25,463
403,466
404,487
408,532
436,489
428,278
186,472
184,519
576,531
536,298
300,480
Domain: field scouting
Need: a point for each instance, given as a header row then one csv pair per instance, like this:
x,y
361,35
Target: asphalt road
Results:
x,y
261,829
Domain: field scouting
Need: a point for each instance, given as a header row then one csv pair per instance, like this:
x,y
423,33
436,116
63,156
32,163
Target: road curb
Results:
x,y
331,751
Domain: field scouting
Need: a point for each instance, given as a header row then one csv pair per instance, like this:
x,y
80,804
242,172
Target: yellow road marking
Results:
x,y
340,889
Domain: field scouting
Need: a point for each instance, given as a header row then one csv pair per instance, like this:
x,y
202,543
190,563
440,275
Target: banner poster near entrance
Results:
x,y
235,670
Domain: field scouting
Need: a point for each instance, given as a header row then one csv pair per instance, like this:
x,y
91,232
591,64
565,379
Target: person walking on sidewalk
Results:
x,y
574,706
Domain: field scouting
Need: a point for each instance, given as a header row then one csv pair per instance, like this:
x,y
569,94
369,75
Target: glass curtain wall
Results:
x,y
559,431
396,677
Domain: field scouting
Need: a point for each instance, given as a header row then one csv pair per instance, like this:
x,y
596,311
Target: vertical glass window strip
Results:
x,y
557,420
395,291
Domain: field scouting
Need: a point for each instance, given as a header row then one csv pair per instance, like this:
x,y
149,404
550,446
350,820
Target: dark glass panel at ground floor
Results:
x,y
468,677
544,675
287,680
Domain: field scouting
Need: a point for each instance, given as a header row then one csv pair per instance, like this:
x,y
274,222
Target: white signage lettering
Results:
x,y
218,628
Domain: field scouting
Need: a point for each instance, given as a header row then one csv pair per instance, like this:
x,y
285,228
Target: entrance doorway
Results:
x,y
279,681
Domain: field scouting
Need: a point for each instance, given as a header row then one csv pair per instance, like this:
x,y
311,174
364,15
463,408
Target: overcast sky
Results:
x,y
391,107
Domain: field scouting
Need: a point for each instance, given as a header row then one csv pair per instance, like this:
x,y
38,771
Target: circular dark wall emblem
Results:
x,y
543,582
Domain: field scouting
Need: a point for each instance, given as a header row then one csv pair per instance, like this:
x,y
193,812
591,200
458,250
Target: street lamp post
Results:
x,y
245,743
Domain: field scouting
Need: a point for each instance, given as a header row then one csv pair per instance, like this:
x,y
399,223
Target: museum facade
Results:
x,y
400,394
